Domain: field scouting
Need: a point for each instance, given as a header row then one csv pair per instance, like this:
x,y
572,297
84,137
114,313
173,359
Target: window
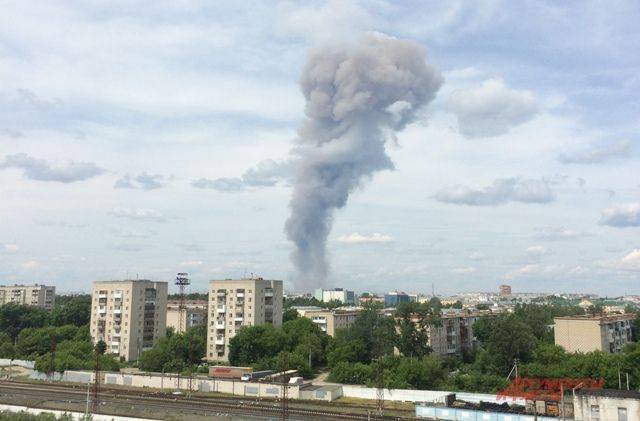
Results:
x,y
622,414
595,412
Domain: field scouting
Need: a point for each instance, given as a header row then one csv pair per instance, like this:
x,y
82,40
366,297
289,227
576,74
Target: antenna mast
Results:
x,y
182,281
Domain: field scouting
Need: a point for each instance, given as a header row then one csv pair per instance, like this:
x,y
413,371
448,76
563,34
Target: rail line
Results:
x,y
180,402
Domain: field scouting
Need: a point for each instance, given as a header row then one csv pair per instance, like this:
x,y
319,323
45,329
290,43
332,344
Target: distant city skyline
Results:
x,y
153,139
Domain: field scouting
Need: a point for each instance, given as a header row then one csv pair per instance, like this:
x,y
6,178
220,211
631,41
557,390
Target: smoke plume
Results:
x,y
357,98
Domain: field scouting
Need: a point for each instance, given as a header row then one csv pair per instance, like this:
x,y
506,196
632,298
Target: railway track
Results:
x,y
210,405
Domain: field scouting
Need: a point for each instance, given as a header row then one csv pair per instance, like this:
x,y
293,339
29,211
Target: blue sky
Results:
x,y
524,169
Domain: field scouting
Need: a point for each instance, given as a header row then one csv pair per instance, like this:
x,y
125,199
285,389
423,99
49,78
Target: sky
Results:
x,y
146,138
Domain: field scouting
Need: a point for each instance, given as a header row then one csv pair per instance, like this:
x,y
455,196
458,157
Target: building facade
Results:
x,y
234,303
337,294
392,299
32,295
505,290
606,405
129,316
329,320
194,313
593,333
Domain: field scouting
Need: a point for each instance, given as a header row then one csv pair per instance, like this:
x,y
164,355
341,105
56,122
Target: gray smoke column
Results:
x,y
357,98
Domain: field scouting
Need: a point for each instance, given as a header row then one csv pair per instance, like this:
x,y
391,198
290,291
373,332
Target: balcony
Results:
x,y
220,341
102,296
238,319
115,344
102,310
220,323
268,293
239,294
117,310
116,334
117,296
221,309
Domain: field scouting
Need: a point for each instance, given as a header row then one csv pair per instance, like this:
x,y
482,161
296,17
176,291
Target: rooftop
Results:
x,y
602,318
610,393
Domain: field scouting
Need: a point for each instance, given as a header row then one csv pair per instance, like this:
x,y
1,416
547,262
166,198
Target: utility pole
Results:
x,y
86,410
51,371
285,387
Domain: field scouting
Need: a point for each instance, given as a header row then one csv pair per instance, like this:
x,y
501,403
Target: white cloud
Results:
x,y
138,214
142,181
631,261
8,248
558,233
192,263
463,270
356,238
41,170
266,173
538,251
501,191
555,271
597,154
491,109
621,216
31,264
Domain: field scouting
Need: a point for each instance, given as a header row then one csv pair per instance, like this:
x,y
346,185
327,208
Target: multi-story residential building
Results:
x,y
338,294
393,298
129,316
234,303
31,295
606,333
329,320
505,290
194,313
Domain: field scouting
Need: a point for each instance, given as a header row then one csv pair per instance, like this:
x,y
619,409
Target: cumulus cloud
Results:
x,y
138,214
558,234
356,238
491,109
463,270
501,191
621,216
597,154
631,261
41,170
142,181
8,248
538,251
266,173
556,271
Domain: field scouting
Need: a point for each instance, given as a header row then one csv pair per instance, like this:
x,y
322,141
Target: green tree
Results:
x,y
413,321
289,314
75,311
7,349
15,317
179,352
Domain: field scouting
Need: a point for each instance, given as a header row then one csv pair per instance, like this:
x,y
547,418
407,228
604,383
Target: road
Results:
x,y
124,401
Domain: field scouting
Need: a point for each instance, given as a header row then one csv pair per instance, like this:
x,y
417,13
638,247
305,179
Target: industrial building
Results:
x,y
32,295
234,303
606,333
129,316
194,313
336,294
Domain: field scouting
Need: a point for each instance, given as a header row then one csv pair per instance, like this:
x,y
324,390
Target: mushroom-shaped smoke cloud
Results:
x,y
356,99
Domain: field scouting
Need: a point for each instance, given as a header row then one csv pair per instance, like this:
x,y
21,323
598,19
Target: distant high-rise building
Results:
x,y
594,333
338,294
393,298
234,303
505,290
32,295
129,316
193,314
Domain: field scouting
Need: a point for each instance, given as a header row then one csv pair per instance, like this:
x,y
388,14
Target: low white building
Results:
x,y
606,405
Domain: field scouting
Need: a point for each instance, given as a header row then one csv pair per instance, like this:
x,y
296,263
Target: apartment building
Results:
x,y
606,333
234,303
129,316
329,321
31,295
336,294
194,313
505,290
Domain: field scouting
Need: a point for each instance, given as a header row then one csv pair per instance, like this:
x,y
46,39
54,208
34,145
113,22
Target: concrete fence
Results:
x,y
402,395
5,362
